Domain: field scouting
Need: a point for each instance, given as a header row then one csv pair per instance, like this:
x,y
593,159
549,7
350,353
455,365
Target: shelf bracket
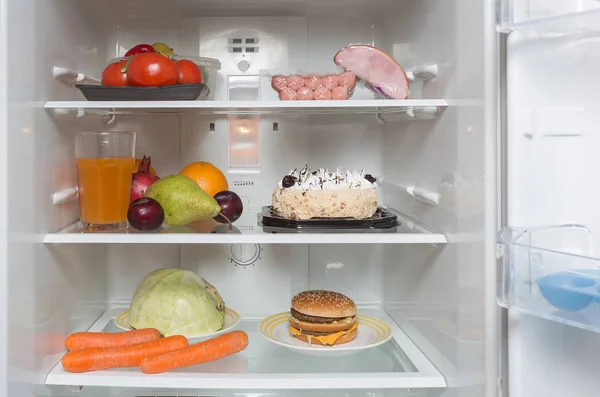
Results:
x,y
379,118
72,77
65,195
423,73
423,195
80,113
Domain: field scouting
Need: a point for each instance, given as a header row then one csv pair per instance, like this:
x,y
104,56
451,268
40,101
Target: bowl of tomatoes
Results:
x,y
148,76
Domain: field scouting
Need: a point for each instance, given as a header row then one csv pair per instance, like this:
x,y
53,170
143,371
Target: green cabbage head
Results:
x,y
177,302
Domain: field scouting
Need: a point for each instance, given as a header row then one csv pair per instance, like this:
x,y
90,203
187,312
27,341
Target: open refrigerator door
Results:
x,y
549,264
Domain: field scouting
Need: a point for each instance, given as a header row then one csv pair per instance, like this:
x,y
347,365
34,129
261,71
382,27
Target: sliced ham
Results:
x,y
380,72
287,94
305,94
339,93
278,83
295,82
312,82
322,94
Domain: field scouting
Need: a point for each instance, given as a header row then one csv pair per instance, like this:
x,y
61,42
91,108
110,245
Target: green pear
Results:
x,y
182,200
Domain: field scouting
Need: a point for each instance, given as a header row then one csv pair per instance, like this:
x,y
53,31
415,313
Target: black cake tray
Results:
x,y
383,221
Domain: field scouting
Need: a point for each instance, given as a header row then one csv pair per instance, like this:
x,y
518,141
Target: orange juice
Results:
x,y
104,185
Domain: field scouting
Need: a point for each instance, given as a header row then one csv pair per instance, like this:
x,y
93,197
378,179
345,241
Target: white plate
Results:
x,y
371,332
232,318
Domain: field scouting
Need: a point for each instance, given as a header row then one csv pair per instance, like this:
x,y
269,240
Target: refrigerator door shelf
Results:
x,y
553,17
551,273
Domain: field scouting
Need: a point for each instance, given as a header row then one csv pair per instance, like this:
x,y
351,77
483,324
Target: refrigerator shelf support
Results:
x,y
72,77
83,114
423,195
65,195
423,73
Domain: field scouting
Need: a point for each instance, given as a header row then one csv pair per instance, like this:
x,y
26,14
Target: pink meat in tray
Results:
x,y
347,79
295,82
278,83
339,93
287,94
330,82
322,94
312,82
304,94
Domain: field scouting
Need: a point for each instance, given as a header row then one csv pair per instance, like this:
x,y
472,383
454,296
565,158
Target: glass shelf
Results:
x,y
247,230
266,366
551,273
413,108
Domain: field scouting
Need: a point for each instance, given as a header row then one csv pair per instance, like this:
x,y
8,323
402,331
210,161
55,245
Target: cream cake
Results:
x,y
325,194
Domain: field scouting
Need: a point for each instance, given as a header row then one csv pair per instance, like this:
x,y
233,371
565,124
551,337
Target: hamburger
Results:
x,y
323,317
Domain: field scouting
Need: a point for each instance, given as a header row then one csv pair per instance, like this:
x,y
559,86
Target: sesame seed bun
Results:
x,y
320,303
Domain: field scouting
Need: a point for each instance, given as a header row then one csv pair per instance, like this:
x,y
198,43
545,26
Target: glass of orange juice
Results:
x,y
104,163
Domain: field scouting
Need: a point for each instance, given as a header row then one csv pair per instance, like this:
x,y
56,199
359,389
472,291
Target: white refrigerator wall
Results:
x,y
553,170
434,292
439,292
49,290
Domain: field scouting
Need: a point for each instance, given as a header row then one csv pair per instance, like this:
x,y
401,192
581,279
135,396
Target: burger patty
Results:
x,y
315,333
312,319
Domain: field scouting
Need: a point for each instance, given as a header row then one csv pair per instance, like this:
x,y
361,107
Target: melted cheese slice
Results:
x,y
324,339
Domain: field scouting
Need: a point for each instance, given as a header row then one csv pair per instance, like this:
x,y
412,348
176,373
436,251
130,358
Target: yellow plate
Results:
x,y
232,318
371,332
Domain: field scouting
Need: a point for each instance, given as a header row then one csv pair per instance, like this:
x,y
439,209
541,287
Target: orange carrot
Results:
x,y
123,356
203,352
87,340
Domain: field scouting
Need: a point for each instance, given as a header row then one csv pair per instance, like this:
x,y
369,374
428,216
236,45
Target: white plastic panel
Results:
x,y
281,43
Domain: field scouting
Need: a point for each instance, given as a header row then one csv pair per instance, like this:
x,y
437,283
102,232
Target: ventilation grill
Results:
x,y
239,45
243,183
247,228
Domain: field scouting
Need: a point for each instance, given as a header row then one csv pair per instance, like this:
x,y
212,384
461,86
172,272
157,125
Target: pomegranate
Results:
x,y
145,214
142,180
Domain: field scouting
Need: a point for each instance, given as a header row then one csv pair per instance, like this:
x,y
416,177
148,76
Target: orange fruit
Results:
x,y
136,166
207,176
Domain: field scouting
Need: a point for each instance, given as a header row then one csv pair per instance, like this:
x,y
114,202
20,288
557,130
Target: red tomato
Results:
x,y
113,76
189,72
152,70
140,49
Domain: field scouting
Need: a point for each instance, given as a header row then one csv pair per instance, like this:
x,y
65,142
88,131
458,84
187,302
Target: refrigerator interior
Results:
x,y
427,281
